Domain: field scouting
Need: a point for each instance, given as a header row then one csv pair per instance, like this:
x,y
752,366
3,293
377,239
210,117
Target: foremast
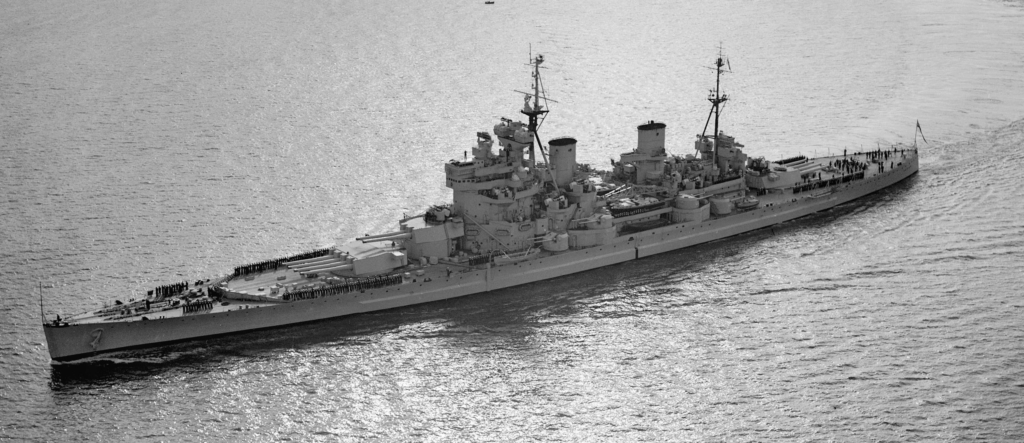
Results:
x,y
535,118
535,114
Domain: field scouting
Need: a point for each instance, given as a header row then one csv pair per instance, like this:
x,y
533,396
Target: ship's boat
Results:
x,y
746,203
635,205
515,257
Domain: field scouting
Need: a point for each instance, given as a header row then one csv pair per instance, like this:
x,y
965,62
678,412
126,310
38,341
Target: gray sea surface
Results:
x,y
143,143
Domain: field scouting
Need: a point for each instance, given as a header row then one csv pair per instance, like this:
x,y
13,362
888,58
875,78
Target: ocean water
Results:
x,y
143,143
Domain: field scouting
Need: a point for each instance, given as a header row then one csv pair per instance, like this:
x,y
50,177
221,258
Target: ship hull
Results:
x,y
83,340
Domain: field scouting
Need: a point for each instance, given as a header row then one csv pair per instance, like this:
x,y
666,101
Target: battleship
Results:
x,y
521,212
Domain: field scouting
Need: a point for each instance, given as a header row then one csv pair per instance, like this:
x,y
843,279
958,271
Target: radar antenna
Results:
x,y
41,314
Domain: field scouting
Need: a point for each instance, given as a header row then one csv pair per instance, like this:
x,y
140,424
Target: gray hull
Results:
x,y
83,340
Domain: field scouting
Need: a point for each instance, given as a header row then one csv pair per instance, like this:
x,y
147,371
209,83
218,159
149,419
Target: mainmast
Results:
x,y
716,98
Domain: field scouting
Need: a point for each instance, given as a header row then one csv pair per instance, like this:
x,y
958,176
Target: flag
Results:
x,y
922,132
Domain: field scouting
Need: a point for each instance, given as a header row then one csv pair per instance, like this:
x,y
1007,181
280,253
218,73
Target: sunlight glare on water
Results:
x,y
145,143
